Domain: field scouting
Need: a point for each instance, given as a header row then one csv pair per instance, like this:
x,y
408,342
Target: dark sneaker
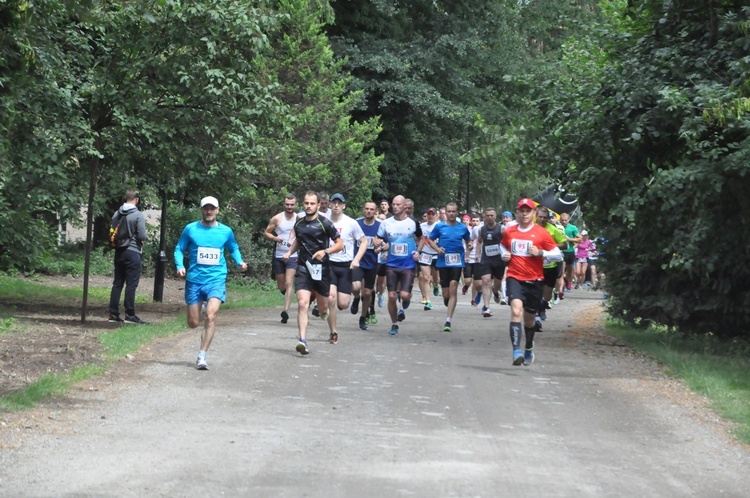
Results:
x,y
496,295
518,358
333,338
435,290
284,316
315,310
543,314
394,330
132,319
363,323
464,289
355,306
302,347
114,318
537,324
447,327
477,299
427,306
401,315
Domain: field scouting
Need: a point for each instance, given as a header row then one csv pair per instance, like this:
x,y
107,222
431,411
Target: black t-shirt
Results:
x,y
490,242
313,236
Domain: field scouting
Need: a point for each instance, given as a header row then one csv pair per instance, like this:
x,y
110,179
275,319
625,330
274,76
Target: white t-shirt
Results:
x,y
350,232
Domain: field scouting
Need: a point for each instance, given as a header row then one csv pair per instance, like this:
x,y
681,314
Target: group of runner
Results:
x,y
327,257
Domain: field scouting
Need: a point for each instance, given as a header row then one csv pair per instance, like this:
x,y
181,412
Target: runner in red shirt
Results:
x,y
526,246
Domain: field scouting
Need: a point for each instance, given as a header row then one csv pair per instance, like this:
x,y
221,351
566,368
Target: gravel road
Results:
x,y
424,413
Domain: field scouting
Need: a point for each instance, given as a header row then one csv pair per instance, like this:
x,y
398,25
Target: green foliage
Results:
x,y
427,69
652,134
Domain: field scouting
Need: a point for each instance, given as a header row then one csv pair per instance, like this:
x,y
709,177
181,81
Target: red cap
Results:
x,y
526,202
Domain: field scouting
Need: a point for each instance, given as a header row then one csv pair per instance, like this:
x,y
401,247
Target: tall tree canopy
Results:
x,y
648,123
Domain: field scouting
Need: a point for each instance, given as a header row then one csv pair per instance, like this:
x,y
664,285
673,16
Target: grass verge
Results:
x,y
716,368
117,343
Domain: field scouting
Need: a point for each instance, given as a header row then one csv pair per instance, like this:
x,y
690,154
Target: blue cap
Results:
x,y
506,214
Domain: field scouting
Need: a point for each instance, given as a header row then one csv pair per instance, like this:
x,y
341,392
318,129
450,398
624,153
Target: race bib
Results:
x,y
425,258
370,244
316,270
492,250
400,249
520,247
209,256
453,259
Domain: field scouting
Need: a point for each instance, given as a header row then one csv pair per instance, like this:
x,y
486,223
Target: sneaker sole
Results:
x,y
301,349
201,367
284,317
334,339
393,332
401,317
518,361
446,329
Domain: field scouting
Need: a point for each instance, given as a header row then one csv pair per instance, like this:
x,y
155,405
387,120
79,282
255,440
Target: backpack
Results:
x,y
119,232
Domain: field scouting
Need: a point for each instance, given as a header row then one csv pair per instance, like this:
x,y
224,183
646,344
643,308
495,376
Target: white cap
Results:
x,y
584,233
210,200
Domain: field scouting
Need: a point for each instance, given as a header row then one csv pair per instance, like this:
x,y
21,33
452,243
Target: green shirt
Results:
x,y
558,237
571,231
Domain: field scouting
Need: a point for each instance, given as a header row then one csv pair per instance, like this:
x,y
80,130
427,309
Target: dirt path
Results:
x,y
424,413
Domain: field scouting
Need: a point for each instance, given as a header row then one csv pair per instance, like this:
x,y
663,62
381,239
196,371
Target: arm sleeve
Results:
x,y
234,248
179,249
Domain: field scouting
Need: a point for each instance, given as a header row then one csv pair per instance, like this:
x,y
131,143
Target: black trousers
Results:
x,y
128,267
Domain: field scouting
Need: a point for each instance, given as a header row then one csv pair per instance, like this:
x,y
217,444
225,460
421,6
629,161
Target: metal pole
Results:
x,y
161,261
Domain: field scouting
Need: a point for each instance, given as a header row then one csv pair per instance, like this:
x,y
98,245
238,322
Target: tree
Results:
x,y
652,134
427,70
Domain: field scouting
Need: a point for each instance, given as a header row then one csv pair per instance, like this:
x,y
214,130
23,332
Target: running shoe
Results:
x,y
373,319
477,299
556,301
496,295
517,357
134,320
381,300
537,324
284,316
464,289
325,315
401,315
543,314
363,323
114,318
528,357
200,363
355,306
333,338
486,312
503,301
427,306
447,327
435,290
315,310
406,303
302,347
203,308
394,330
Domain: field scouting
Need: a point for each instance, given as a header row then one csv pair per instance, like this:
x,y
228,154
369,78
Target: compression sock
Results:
x,y
515,334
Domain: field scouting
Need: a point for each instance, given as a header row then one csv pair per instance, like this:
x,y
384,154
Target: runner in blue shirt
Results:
x,y
402,234
205,242
368,267
448,238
